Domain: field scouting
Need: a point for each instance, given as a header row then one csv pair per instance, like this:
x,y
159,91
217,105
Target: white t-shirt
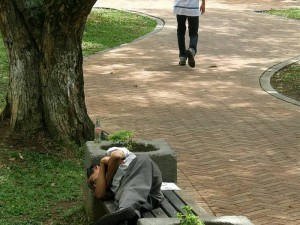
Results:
x,y
186,7
129,156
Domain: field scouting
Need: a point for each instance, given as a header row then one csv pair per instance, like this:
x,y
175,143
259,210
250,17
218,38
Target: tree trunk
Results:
x,y
46,86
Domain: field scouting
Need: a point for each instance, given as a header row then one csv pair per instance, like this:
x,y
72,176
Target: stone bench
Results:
x,y
171,205
166,214
164,157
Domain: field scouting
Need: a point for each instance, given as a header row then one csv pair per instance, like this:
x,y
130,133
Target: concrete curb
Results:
x,y
267,75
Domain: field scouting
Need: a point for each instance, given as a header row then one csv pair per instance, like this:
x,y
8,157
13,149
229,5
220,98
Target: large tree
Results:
x,y
46,86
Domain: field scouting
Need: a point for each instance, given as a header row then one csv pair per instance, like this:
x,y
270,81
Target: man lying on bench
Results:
x,y
134,182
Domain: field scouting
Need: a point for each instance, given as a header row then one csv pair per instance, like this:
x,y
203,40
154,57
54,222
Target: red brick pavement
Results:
x,y
237,146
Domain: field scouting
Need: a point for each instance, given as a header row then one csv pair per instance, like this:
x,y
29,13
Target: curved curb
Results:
x,y
266,77
159,26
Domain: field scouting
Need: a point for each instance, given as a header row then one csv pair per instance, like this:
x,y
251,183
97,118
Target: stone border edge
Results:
x,y
267,75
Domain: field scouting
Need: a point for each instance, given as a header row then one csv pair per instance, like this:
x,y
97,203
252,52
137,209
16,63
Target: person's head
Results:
x,y
92,174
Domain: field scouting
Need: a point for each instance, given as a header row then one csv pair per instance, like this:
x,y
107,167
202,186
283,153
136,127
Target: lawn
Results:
x,y
41,182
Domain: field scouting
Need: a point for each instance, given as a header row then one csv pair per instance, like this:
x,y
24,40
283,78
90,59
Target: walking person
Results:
x,y
188,10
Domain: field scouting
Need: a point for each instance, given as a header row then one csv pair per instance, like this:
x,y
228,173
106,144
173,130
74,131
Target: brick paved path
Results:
x,y
237,146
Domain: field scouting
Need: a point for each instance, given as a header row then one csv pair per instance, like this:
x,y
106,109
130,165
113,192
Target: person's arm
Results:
x,y
113,164
202,7
108,168
101,184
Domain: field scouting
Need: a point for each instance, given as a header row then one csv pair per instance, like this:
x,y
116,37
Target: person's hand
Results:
x,y
202,8
122,161
104,160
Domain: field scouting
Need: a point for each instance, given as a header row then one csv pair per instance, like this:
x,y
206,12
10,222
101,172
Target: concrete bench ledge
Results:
x,y
222,220
164,157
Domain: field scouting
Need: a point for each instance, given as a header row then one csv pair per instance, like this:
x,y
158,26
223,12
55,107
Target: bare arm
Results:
x,y
108,168
113,165
202,7
101,185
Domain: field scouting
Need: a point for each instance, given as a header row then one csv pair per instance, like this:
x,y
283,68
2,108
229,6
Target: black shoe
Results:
x,y
182,61
124,223
190,54
116,217
133,221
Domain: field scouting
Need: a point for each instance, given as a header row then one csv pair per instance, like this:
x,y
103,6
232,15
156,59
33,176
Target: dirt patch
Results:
x,y
39,142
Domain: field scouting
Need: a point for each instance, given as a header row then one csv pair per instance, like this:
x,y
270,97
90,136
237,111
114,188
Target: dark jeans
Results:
x,y
193,22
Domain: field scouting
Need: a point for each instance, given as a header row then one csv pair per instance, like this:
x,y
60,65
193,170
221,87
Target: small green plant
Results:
x,y
122,137
189,218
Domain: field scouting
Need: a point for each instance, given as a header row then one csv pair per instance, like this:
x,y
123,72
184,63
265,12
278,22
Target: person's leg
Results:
x,y
155,197
140,187
193,32
139,190
118,217
181,29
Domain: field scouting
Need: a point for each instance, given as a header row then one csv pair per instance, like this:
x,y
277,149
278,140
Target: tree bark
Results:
x,y
46,86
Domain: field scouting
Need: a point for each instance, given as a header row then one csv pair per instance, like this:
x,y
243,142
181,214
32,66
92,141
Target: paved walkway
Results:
x,y
237,146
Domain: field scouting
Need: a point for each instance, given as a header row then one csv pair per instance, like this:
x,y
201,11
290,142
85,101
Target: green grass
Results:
x,y
292,74
287,81
43,188
109,28
292,13
35,185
